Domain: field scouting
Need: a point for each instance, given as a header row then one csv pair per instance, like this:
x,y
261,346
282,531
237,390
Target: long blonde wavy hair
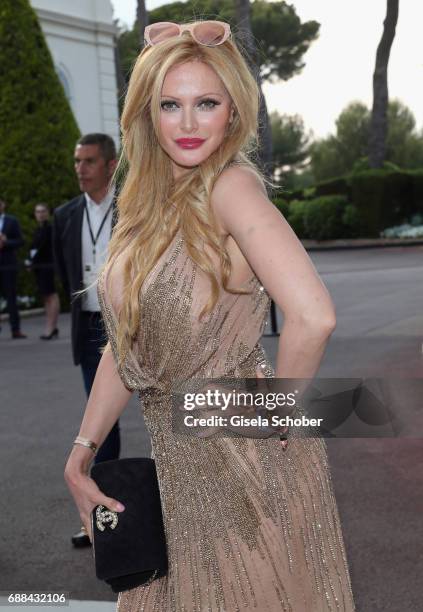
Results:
x,y
150,209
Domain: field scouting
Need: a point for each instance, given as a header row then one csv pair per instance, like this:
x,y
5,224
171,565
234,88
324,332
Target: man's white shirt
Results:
x,y
91,264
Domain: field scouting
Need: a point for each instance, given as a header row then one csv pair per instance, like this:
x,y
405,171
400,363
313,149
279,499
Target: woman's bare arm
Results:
x,y
278,258
107,401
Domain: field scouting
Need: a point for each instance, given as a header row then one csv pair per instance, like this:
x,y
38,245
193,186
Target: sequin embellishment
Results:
x,y
248,526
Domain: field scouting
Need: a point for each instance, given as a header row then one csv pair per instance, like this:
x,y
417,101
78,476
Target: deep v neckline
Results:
x,y
162,259
253,281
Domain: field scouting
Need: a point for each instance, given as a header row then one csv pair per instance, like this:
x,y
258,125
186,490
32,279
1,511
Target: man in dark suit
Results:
x,y
81,232
10,240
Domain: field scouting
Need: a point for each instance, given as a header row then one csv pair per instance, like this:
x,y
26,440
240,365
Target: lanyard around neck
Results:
x,y
94,239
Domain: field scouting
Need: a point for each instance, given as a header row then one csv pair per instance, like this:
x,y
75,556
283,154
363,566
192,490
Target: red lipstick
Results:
x,y
190,143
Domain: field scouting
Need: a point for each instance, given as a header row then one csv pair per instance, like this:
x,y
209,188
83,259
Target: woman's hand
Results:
x,y
86,493
284,430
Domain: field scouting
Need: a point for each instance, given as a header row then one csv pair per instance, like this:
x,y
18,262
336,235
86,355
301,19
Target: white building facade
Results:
x,y
81,38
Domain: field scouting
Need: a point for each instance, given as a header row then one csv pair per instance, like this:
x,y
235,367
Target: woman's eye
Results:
x,y
168,106
209,103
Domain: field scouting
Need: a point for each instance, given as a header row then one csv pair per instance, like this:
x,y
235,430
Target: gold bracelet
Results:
x,y
85,442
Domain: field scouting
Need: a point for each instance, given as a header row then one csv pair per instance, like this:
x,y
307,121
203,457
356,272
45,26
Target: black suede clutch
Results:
x,y
129,547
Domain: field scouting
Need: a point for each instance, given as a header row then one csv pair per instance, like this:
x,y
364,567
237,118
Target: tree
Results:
x,y
379,122
337,155
325,160
352,132
243,17
291,147
142,20
281,39
404,145
37,129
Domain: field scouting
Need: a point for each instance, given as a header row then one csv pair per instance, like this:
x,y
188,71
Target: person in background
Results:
x,y
81,232
41,262
10,241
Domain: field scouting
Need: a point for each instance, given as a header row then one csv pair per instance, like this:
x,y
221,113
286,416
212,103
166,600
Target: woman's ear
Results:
x,y
231,118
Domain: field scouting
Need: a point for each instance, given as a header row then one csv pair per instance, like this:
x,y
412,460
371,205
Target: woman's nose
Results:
x,y
188,120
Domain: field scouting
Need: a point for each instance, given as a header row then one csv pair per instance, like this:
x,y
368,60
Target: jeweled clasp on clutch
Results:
x,y
104,516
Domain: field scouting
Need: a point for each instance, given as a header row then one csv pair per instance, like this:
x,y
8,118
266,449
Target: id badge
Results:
x,y
90,274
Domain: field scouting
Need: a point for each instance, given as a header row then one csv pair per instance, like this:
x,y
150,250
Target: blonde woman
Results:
x,y
197,252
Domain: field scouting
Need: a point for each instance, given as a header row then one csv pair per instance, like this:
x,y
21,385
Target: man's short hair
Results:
x,y
104,141
44,205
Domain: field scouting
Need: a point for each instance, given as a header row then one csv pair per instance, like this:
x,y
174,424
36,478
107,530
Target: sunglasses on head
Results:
x,y
208,33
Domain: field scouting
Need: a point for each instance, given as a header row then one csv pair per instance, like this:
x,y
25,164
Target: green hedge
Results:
x,y
282,205
373,200
416,177
323,217
296,216
383,199
352,225
37,129
338,186
298,194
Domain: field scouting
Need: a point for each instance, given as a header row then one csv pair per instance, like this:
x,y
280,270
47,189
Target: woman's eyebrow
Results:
x,y
196,97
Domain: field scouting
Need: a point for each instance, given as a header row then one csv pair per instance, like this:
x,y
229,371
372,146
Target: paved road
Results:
x,y
378,297
378,483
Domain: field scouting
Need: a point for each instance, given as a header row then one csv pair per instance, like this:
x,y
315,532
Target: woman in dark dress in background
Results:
x,y
41,262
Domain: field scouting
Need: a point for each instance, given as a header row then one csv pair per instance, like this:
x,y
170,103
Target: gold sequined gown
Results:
x,y
248,526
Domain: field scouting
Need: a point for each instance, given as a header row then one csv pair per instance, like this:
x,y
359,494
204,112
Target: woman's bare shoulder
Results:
x,y
238,191
238,175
